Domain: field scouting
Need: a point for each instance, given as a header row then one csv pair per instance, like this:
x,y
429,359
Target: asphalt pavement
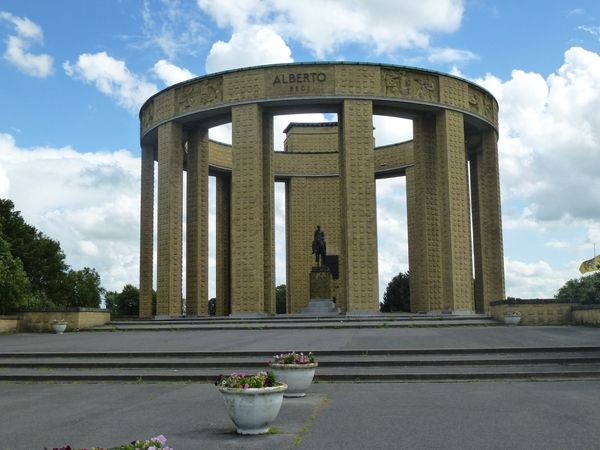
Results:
x,y
356,415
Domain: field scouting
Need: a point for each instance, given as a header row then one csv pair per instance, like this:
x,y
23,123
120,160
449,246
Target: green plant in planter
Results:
x,y
243,381
294,358
157,443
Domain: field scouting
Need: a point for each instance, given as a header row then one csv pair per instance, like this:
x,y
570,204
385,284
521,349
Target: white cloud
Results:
x,y
89,202
16,53
172,27
324,25
592,30
254,46
112,78
550,138
549,149
170,74
537,280
450,55
390,130
554,243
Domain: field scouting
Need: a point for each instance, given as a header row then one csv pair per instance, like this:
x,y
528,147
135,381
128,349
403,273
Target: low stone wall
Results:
x,y
9,324
586,315
38,320
553,311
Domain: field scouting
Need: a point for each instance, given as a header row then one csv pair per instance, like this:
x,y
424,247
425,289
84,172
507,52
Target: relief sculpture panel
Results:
x,y
147,116
482,104
408,84
199,95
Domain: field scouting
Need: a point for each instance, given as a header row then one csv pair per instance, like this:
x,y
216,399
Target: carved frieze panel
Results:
x,y
410,84
147,116
482,104
199,95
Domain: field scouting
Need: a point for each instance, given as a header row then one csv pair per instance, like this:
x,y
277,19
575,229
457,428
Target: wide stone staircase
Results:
x,y
524,363
424,365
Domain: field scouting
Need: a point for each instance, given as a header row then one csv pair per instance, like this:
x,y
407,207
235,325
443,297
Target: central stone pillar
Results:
x,y
251,212
170,198
197,223
147,231
487,223
223,235
439,226
358,206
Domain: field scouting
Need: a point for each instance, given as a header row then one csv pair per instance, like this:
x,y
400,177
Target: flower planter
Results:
x,y
252,410
512,321
298,377
59,328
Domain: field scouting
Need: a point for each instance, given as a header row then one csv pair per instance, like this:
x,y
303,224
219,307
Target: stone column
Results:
x,y
170,193
487,224
248,203
197,223
298,232
425,247
268,214
223,250
457,261
147,231
439,216
358,211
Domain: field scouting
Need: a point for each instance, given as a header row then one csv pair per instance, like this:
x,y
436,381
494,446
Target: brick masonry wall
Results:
x,y
537,313
40,321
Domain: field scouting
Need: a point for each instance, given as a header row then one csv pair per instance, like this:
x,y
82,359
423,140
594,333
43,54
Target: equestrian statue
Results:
x,y
319,246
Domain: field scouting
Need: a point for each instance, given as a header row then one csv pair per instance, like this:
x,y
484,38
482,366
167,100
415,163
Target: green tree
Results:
x,y
83,289
15,288
42,258
397,294
124,303
212,307
586,289
280,299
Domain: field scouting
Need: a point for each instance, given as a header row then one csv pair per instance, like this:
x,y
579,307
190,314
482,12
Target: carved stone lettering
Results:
x,y
305,77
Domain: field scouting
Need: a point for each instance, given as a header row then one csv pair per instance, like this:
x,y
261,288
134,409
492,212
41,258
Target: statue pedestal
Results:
x,y
320,293
320,283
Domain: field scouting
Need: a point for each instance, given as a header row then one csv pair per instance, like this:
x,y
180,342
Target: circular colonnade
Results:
x,y
452,187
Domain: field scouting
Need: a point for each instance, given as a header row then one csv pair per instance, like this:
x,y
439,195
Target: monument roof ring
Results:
x,y
398,91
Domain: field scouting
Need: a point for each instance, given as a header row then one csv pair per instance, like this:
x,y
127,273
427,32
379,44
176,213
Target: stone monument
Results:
x,y
454,221
321,300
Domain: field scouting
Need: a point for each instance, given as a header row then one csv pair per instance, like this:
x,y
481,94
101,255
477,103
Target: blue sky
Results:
x,y
74,74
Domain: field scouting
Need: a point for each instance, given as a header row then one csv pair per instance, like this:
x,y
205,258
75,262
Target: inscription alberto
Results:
x,y
300,81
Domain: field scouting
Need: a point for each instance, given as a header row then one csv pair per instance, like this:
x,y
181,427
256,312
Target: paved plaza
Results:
x,y
358,415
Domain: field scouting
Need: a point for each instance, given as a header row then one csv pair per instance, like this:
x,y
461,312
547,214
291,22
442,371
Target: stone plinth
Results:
x,y
321,306
320,283
320,292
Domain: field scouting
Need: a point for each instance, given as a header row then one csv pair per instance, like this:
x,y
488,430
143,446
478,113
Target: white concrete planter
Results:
x,y
252,410
298,377
59,328
512,321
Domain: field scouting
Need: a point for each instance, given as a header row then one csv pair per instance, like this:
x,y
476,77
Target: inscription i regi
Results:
x,y
300,82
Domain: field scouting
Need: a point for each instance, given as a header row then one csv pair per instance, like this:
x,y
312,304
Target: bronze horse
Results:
x,y
319,246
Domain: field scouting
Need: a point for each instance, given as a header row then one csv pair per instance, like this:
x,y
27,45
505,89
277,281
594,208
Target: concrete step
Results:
x,y
365,365
301,321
